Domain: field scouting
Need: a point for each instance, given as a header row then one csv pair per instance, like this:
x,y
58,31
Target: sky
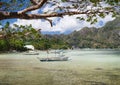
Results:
x,y
65,25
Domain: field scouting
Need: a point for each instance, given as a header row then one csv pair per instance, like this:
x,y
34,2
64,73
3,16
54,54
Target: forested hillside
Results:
x,y
105,37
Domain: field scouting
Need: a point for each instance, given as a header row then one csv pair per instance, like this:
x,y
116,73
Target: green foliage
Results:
x,y
89,18
63,0
3,45
16,38
94,21
114,14
7,25
95,2
102,15
80,18
112,2
16,44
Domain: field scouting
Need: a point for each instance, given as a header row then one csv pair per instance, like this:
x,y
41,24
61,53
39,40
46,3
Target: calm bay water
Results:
x,y
85,67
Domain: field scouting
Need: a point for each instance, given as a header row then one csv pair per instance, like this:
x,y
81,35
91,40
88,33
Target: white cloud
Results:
x,y
44,25
65,24
68,23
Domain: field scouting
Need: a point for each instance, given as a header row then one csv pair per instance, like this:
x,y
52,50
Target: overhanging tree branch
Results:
x,y
57,10
34,2
31,8
10,15
50,21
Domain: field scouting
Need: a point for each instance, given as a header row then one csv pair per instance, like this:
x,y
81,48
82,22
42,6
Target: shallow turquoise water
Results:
x,y
106,57
85,66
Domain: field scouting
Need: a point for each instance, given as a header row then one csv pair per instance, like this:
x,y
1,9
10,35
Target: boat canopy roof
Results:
x,y
31,47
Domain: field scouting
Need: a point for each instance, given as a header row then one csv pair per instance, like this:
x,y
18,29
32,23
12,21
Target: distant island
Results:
x,y
17,37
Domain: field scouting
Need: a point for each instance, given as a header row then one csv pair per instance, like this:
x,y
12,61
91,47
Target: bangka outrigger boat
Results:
x,y
54,59
61,57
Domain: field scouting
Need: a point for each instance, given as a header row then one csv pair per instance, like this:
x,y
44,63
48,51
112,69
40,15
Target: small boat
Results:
x,y
54,59
59,57
31,50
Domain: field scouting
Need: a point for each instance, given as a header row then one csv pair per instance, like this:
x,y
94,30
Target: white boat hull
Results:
x,y
54,59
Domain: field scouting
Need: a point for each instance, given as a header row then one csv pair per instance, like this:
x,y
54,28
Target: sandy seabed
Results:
x,y
85,67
